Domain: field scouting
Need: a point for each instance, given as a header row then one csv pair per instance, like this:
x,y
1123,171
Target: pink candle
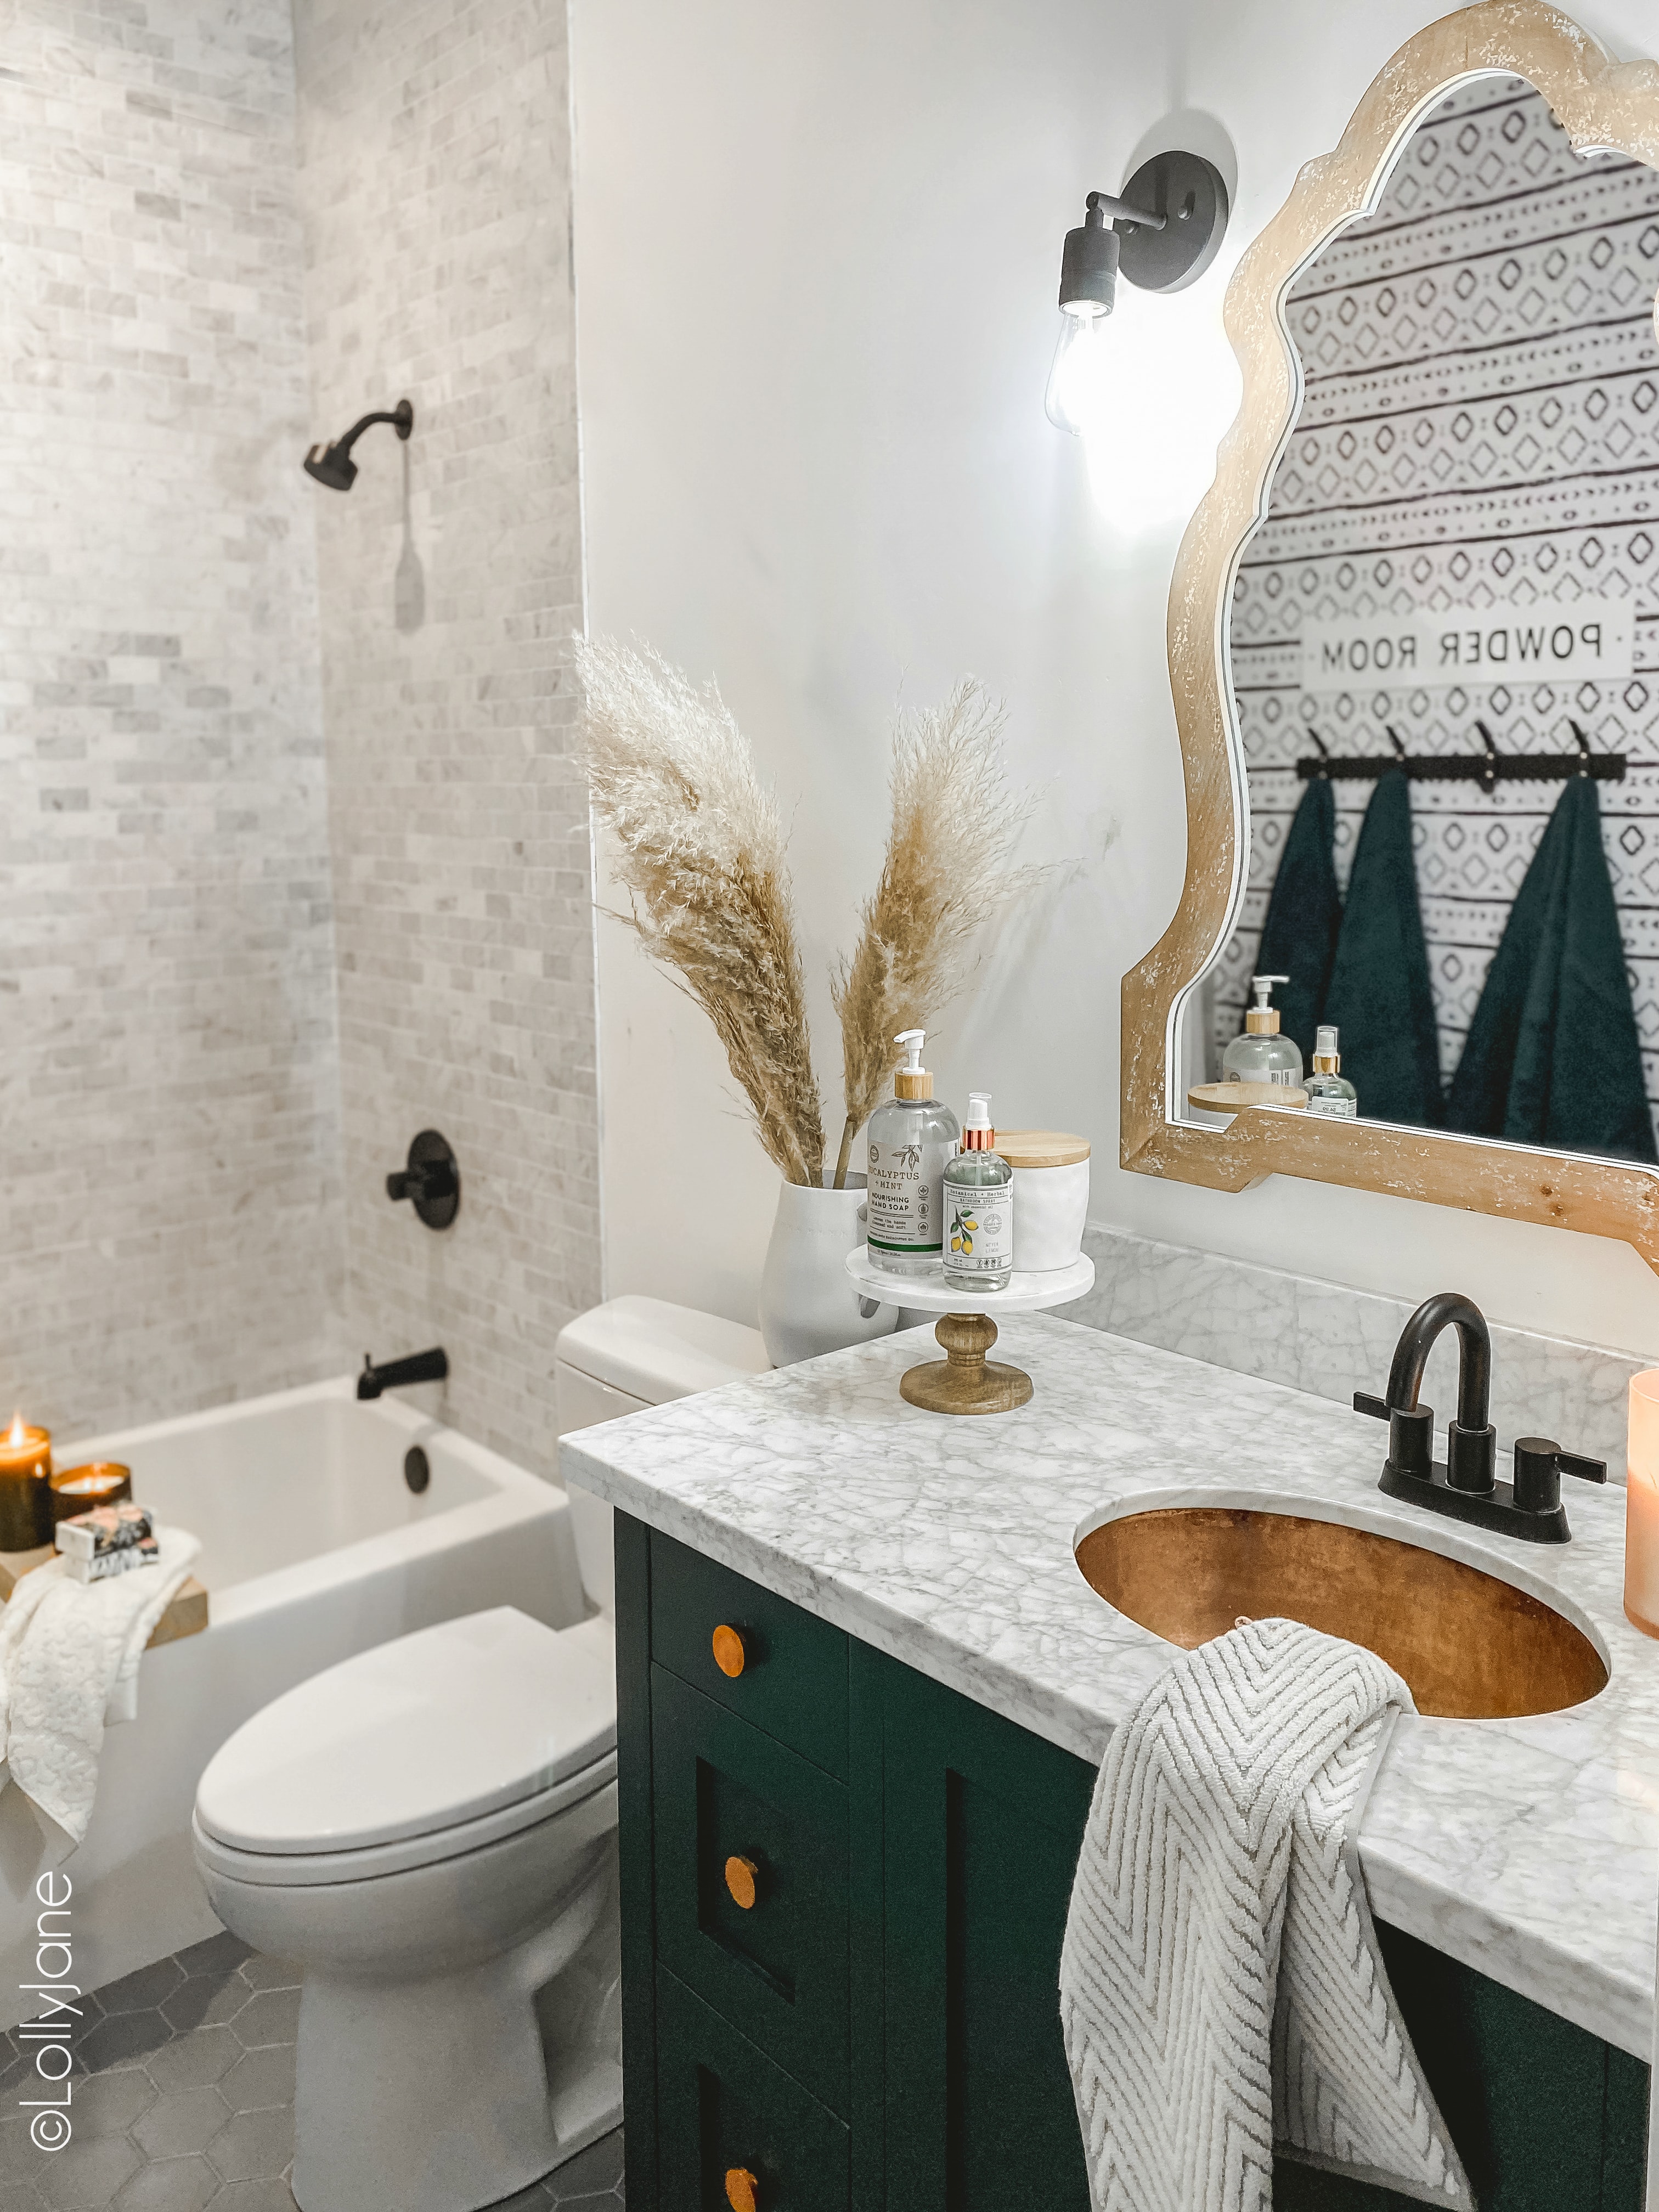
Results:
x,y
1642,1505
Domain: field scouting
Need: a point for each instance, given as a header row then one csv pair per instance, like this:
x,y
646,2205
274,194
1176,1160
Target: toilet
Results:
x,y
621,1356
428,1829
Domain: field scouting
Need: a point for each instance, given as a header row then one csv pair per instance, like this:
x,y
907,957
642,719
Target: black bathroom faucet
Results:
x,y
1466,1487
420,1367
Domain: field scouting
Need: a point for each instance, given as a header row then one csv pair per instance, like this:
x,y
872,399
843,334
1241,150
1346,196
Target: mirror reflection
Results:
x,y
1444,654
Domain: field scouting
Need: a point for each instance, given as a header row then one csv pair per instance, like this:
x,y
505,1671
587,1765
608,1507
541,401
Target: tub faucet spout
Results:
x,y
420,1367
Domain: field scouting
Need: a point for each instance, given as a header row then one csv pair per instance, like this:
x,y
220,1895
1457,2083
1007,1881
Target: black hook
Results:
x,y
1324,755
1489,778
1394,740
1583,747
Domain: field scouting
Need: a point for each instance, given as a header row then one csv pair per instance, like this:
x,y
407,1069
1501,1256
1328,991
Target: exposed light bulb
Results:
x,y
1078,381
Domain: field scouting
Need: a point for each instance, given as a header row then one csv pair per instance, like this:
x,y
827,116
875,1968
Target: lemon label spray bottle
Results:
x,y
910,1139
979,1206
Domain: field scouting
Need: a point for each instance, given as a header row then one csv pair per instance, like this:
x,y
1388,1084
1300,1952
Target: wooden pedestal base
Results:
x,y
965,1381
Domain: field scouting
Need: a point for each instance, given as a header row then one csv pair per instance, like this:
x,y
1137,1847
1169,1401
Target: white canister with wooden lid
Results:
x,y
1051,1196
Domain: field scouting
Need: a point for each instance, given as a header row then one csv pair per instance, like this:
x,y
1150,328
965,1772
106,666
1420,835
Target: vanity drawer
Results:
x,y
732,2130
780,1667
750,1878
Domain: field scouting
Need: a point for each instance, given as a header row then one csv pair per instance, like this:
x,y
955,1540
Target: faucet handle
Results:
x,y
1411,1434
1586,1470
1540,1464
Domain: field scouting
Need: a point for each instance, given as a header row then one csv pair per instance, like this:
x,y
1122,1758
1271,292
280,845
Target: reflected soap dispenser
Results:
x,y
1262,1055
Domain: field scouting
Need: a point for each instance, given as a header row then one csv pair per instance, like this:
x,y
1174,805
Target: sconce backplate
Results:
x,y
1191,193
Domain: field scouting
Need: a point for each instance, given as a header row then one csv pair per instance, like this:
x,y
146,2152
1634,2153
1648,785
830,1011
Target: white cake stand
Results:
x,y
965,1381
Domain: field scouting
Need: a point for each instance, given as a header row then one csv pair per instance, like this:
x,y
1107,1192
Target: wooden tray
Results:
x,y
1229,1097
187,1615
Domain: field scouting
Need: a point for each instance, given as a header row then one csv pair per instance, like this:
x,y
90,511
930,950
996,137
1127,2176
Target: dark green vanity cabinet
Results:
x,y
879,2030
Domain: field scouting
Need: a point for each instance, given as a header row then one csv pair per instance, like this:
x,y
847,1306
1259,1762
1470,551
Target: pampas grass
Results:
x,y
702,856
944,875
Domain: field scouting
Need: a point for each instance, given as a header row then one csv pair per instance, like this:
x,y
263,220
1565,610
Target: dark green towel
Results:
x,y
1298,937
1552,1055
1379,995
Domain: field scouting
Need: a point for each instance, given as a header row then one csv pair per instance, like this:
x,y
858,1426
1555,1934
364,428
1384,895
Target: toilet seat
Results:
x,y
310,1869
415,1750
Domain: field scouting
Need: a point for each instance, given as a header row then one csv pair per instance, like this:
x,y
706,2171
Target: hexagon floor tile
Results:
x,y
183,2100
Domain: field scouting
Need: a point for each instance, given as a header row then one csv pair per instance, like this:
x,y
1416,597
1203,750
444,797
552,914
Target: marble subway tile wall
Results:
x,y
1331,1341
436,176
169,1159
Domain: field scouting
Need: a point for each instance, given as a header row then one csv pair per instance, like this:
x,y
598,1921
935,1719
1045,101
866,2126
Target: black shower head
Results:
x,y
332,464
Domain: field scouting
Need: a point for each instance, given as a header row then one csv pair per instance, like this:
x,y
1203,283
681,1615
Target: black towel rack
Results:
x,y
1488,768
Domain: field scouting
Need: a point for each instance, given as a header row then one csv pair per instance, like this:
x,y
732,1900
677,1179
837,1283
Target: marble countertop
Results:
x,y
1529,1849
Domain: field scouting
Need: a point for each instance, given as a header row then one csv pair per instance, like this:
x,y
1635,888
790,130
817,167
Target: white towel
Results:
x,y
68,1655
1220,1987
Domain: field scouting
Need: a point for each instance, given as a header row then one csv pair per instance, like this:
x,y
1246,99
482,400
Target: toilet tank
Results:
x,y
625,1355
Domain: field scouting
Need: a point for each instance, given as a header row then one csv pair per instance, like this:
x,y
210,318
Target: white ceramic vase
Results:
x,y
807,1301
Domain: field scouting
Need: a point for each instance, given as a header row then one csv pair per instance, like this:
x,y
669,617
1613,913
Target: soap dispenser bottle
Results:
x,y
979,1206
1261,1054
1329,1090
910,1139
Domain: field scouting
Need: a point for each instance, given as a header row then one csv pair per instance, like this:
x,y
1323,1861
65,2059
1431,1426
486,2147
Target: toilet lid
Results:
x,y
417,1735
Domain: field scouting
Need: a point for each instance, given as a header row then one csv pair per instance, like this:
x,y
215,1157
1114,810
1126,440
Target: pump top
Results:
x,y
1263,1019
977,1133
913,1080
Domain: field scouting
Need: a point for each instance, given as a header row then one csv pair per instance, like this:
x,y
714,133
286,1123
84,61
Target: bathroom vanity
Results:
x,y
863,1688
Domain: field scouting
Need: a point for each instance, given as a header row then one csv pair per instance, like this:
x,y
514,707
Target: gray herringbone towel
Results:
x,y
1220,1988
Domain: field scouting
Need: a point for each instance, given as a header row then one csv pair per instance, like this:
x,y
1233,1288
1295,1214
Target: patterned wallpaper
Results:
x,y
1478,449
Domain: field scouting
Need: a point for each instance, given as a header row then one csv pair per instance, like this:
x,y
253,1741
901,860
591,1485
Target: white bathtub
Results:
x,y
314,1547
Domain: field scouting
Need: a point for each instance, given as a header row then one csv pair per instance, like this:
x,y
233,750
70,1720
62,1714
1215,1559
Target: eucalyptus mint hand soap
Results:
x,y
910,1138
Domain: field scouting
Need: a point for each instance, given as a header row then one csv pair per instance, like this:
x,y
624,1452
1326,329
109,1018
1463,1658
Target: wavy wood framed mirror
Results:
x,y
1434,532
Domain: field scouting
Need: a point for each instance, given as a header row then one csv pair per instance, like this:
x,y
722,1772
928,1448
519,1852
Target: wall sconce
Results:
x,y
1165,231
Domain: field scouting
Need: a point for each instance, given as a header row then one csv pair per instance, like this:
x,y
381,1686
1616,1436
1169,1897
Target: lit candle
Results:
x,y
1642,1505
78,1489
25,1486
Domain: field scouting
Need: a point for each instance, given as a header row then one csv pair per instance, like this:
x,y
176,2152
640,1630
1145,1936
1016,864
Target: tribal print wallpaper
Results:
x,y
1464,525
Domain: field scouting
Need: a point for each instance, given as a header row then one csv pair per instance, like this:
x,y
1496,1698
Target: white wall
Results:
x,y
816,256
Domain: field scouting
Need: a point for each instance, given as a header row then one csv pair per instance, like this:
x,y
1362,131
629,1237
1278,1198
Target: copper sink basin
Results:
x,y
1471,1646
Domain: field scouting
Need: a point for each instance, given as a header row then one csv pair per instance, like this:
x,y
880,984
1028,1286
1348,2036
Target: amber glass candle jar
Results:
x,y
25,1486
1642,1505
78,1489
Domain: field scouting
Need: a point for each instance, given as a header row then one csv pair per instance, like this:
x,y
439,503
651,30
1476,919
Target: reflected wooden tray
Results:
x,y
187,1615
1227,1097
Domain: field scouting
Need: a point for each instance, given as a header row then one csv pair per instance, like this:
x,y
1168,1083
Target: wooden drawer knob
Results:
x,y
742,2190
740,1881
730,1655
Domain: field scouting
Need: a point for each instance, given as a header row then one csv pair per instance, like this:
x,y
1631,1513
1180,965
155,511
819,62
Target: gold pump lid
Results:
x,y
1263,1019
913,1080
